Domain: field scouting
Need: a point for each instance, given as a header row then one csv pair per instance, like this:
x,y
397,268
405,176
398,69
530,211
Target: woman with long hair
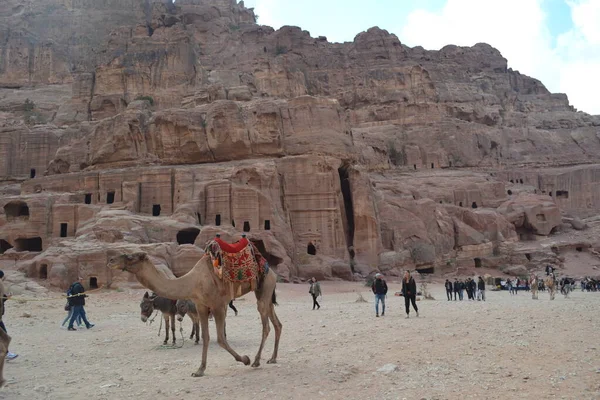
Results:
x,y
409,291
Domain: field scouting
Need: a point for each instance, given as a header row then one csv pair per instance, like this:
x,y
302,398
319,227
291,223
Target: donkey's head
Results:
x,y
147,306
183,307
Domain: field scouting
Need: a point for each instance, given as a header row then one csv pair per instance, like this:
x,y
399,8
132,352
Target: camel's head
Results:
x,y
182,309
147,306
127,262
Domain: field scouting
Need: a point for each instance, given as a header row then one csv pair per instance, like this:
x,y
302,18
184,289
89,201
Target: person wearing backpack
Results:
x,y
77,302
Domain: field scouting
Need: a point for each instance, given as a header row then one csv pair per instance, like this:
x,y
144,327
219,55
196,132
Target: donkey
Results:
x,y
166,306
188,307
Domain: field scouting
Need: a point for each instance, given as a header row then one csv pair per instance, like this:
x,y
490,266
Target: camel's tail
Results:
x,y
274,298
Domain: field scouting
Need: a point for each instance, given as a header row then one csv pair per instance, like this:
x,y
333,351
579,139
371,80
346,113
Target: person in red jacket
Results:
x,y
409,291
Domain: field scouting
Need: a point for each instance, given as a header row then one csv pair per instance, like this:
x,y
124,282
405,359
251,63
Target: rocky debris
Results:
x,y
388,369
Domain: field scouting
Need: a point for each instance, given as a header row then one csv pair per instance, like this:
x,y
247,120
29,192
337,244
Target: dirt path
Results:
x,y
476,350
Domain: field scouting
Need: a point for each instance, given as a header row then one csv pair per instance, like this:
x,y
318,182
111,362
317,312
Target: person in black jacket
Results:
x,y
456,288
448,286
481,289
380,289
77,302
409,291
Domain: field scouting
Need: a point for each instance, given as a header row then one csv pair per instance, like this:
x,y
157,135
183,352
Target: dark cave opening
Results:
x,y
348,206
29,244
187,236
4,245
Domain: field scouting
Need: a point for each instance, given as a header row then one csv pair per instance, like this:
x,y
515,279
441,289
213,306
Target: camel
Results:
x,y
165,306
206,290
551,285
533,283
188,307
4,338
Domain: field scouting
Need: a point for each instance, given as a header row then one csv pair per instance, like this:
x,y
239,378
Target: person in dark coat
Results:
x,y
409,291
77,302
380,290
481,289
456,288
448,286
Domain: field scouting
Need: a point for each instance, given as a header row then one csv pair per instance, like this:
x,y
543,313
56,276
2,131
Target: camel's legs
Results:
x,y
263,310
278,328
197,326
166,317
219,314
203,315
173,327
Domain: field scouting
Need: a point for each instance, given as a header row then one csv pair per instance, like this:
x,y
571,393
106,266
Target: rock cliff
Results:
x,y
155,125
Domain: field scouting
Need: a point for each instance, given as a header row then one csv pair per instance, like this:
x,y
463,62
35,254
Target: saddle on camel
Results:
x,y
237,263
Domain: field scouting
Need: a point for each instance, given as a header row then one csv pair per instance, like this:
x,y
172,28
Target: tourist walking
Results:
x,y
461,289
409,291
9,355
380,289
481,289
315,291
448,286
70,312
77,303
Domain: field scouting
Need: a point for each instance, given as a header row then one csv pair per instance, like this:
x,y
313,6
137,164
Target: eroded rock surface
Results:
x,y
165,123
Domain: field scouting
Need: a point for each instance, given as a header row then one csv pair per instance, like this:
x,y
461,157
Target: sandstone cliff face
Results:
x,y
155,125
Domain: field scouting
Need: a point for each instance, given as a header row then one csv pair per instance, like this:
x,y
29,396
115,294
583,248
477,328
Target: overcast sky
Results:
x,y
556,41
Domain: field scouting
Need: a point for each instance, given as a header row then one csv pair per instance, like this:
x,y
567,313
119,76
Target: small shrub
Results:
x,y
234,28
369,281
203,123
146,98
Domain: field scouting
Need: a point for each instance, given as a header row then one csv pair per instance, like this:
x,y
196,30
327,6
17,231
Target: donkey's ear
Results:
x,y
146,295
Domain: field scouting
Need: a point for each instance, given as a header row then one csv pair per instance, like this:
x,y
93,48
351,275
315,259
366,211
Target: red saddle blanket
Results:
x,y
240,262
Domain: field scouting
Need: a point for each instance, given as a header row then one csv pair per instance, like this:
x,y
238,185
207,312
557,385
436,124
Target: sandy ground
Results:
x,y
506,348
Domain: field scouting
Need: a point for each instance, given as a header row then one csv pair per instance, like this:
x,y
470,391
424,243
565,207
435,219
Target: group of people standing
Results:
x,y
475,289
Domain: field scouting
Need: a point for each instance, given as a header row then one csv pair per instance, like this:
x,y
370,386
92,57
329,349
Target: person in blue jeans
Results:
x,y
70,314
77,302
380,289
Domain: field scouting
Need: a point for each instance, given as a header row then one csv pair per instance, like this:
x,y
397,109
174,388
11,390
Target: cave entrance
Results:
x,y
16,209
110,197
4,245
63,230
474,205
246,226
93,282
267,225
477,261
156,210
562,194
43,274
271,259
348,206
88,198
29,244
188,235
218,220
311,249
426,271
32,173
